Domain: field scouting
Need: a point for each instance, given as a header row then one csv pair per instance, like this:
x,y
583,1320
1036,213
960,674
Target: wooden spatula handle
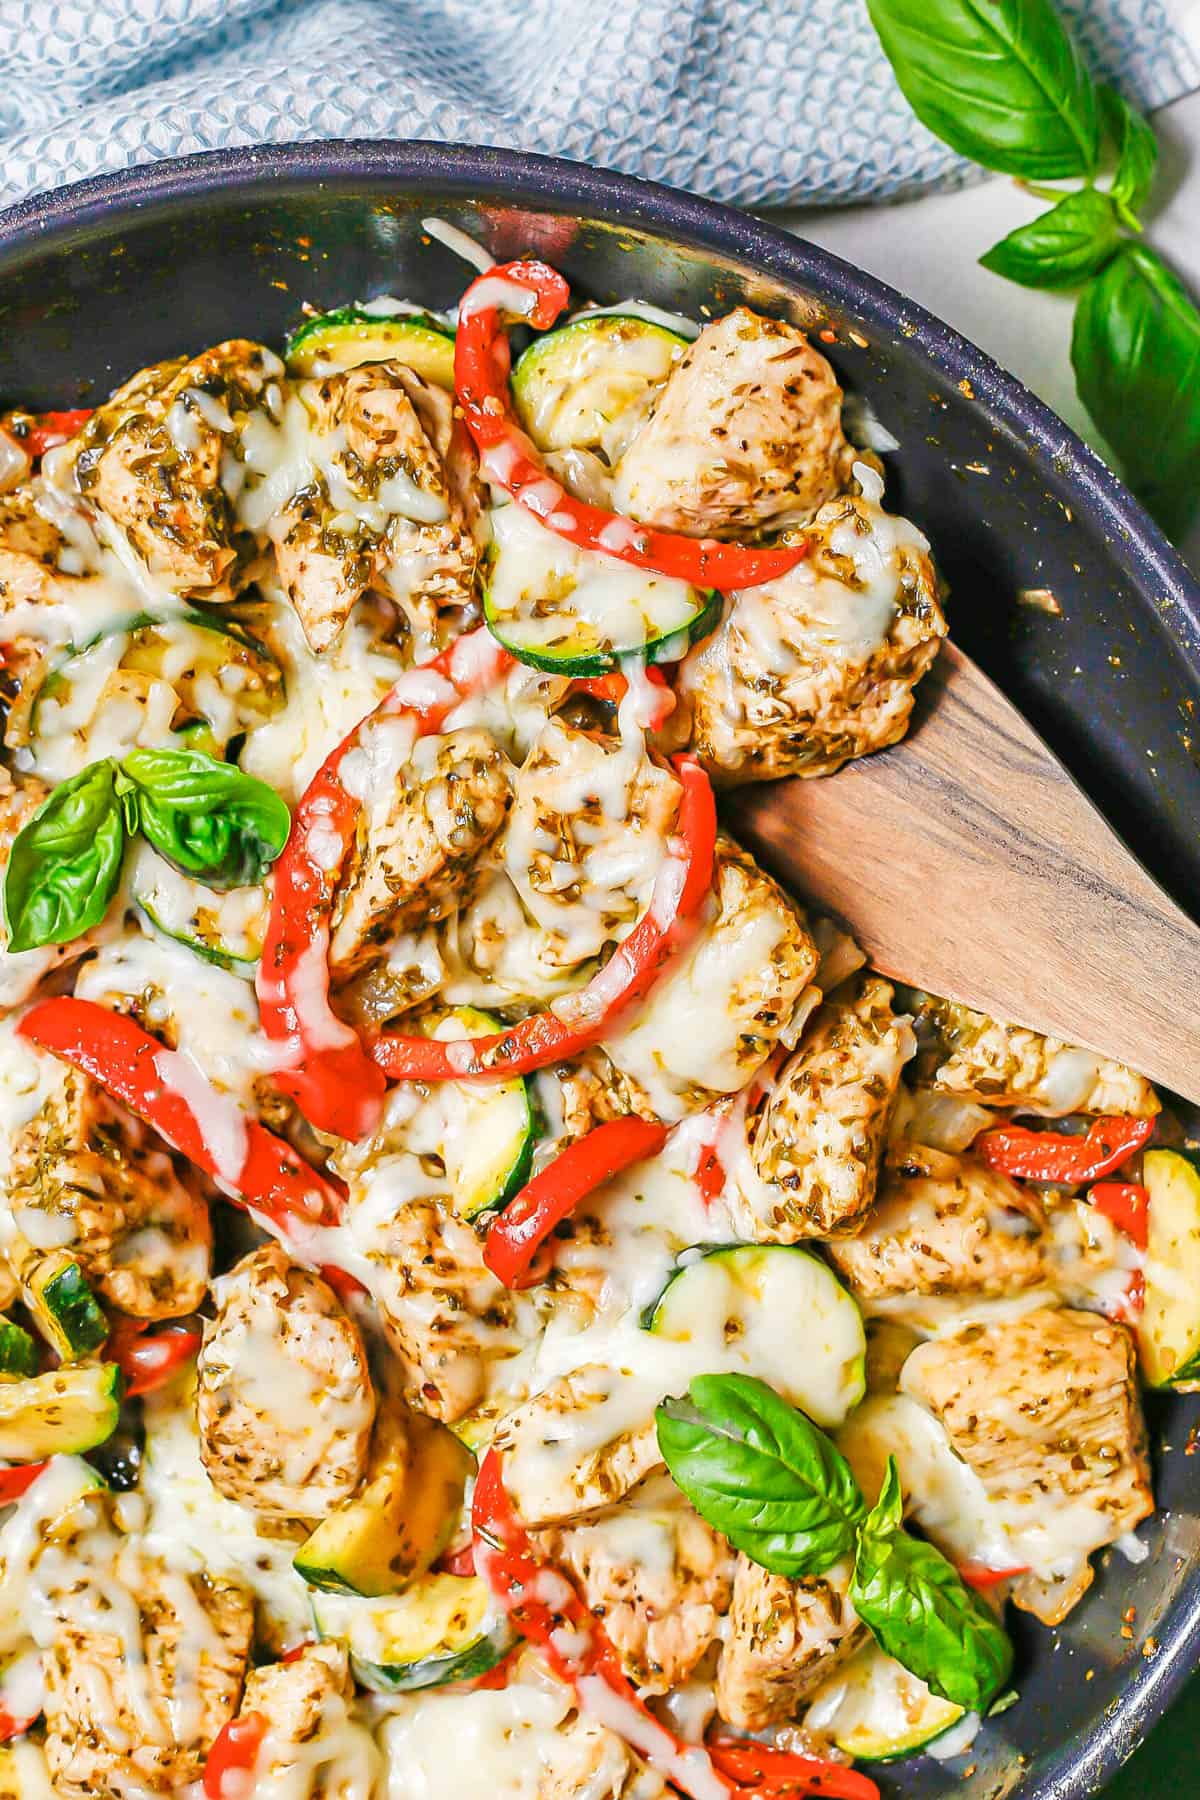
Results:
x,y
968,861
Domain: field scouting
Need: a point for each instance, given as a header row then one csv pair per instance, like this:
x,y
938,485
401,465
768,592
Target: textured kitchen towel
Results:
x,y
762,102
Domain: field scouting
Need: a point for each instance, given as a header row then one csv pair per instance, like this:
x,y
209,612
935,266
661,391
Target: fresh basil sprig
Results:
x,y
1062,247
1135,350
765,1476
65,862
762,1473
921,1611
1002,82
206,817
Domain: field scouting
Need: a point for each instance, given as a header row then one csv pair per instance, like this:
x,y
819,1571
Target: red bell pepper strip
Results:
x,y
11,1728
710,1174
978,1575
536,294
547,1611
577,1020
1126,1204
134,1068
329,1074
614,686
1051,1156
53,428
516,1234
785,1772
148,1363
13,1482
229,1771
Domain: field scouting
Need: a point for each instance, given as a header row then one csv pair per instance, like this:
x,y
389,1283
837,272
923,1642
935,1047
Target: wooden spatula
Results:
x,y
967,861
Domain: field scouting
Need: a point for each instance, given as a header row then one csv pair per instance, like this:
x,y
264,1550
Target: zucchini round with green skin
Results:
x,y
64,1308
395,1529
484,1132
18,1352
224,681
589,385
350,336
1168,1327
875,1711
444,1628
775,1311
65,1412
578,612
224,928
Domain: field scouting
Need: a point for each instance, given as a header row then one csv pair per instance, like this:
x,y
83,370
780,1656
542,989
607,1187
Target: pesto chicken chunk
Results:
x,y
746,435
428,811
157,460
314,1746
1045,1409
581,1444
715,1015
142,1673
783,1638
658,1578
820,665
820,1138
952,1226
284,1401
88,1178
391,503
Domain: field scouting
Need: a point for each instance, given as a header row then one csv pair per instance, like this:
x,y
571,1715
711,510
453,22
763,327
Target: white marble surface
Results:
x,y
929,249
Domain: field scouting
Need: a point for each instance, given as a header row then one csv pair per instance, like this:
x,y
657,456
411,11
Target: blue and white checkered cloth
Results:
x,y
760,102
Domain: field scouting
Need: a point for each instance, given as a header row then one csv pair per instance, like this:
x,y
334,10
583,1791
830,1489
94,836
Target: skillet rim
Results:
x,y
1162,580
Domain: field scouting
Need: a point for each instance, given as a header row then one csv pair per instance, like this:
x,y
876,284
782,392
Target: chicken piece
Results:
x,y
428,811
784,1638
88,1177
714,1016
284,1402
32,586
746,435
586,837
820,1138
805,672
980,1059
143,1670
585,1758
393,504
581,1444
314,1749
155,459
658,1577
965,1229
590,1092
1045,1409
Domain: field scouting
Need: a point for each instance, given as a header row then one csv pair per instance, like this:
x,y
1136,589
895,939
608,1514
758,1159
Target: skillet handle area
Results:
x,y
967,861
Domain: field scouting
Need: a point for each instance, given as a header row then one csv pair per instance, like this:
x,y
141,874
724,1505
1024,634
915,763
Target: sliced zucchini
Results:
x,y
443,1628
1169,1326
225,683
65,1412
776,1311
224,928
18,1352
484,1132
478,1427
577,612
64,1308
589,385
349,337
875,1711
404,1517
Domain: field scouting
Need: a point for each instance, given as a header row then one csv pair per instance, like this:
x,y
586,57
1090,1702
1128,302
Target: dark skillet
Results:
x,y
100,279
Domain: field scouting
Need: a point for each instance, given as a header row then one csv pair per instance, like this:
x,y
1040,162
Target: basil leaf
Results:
x,y
762,1473
65,862
1000,81
922,1612
1062,247
1136,355
1137,153
206,817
